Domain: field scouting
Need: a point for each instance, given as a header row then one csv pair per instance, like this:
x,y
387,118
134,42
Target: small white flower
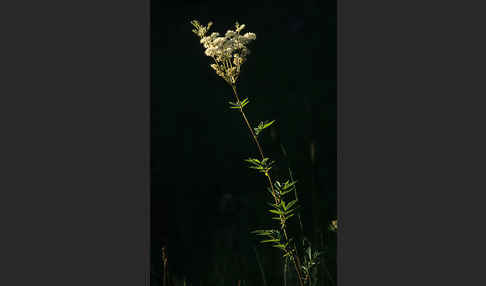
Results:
x,y
230,34
250,36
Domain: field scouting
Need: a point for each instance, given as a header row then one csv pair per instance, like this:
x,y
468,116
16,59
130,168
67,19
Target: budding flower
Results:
x,y
238,29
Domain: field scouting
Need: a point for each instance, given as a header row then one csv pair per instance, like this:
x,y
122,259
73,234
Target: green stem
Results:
x,y
296,258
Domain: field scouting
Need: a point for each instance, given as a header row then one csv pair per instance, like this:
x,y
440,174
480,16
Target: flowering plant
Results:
x,y
229,52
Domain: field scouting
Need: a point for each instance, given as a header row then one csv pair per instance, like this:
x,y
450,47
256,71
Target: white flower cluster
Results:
x,y
229,52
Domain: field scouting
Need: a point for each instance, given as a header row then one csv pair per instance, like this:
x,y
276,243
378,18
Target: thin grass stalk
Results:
x,y
260,267
165,273
285,265
324,264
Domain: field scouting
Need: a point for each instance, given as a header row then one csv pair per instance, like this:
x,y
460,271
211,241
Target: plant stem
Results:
x,y
296,258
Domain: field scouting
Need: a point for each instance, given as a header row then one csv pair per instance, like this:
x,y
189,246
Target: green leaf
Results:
x,y
289,185
268,124
276,212
244,102
281,246
253,161
291,204
270,240
289,211
263,232
234,105
262,126
285,192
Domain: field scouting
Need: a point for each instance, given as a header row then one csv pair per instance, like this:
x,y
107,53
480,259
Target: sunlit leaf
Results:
x,y
270,240
268,124
276,212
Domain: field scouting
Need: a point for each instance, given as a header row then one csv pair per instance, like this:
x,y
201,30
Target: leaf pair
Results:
x,y
274,236
284,189
238,105
262,166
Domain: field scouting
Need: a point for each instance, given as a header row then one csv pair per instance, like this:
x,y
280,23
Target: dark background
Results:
x,y
205,201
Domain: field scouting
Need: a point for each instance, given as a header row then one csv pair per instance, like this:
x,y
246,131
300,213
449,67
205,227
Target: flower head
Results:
x,y
229,52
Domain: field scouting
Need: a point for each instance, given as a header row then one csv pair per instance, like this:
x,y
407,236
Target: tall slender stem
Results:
x,y
296,257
